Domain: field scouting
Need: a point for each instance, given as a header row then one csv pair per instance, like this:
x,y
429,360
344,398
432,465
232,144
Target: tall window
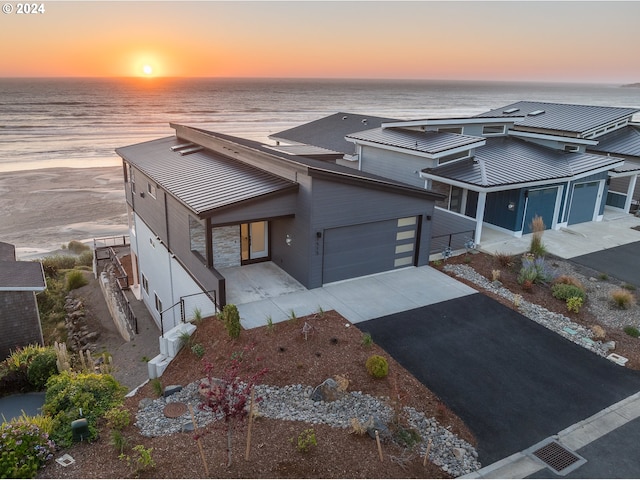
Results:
x,y
158,303
197,237
455,199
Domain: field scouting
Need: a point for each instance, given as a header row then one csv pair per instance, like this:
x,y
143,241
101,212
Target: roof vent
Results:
x,y
536,113
345,117
364,120
510,110
181,146
189,151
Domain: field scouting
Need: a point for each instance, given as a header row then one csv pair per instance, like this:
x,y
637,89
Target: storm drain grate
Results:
x,y
560,460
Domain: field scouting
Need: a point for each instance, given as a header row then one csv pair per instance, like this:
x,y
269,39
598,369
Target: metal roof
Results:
x,y
506,162
21,276
561,117
625,141
202,181
329,132
7,251
430,142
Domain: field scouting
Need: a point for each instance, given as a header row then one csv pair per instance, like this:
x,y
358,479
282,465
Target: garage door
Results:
x,y
358,250
541,202
583,202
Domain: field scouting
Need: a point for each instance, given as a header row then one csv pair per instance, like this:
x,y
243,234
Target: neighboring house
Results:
x,y
200,202
19,317
505,166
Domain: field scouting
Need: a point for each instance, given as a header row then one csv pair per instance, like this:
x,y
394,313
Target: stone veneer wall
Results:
x,y
19,321
226,246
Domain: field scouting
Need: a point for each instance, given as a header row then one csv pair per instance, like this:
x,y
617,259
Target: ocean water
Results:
x,y
80,122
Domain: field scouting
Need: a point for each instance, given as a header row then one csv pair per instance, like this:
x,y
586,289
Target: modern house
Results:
x,y
501,168
201,202
19,316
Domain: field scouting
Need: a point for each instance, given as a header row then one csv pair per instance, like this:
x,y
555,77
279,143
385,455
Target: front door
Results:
x,y
254,241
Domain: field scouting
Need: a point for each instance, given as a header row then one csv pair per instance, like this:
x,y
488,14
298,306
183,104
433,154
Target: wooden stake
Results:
x,y
379,446
426,454
195,431
246,453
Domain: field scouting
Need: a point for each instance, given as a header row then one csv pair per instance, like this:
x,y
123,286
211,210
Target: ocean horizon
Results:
x,y
79,121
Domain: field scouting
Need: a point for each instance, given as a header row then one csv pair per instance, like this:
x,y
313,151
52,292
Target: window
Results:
x,y
197,237
455,199
571,148
145,284
493,130
510,110
151,189
158,302
457,130
132,179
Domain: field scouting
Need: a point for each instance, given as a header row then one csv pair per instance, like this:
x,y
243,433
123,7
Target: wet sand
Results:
x,y
40,210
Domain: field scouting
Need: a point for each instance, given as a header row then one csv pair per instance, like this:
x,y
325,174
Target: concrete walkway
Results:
x,y
577,438
266,296
614,230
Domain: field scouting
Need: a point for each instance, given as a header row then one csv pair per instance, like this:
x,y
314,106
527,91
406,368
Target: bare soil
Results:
x,y
334,347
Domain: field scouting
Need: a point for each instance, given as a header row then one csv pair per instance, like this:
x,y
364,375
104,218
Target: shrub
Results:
x,y
77,247
24,448
42,366
156,386
537,248
85,259
118,441
574,304
198,350
628,286
623,299
367,340
117,418
231,319
306,440
534,270
69,392
569,280
197,315
632,331
598,332
377,366
565,291
53,263
75,279
504,259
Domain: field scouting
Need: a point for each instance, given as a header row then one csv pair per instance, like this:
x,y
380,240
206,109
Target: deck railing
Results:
x,y
453,241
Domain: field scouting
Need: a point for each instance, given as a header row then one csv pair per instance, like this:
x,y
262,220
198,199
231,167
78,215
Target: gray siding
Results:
x,y
19,321
395,165
258,209
151,210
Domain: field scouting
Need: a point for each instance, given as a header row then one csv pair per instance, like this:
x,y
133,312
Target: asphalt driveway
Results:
x,y
621,262
512,381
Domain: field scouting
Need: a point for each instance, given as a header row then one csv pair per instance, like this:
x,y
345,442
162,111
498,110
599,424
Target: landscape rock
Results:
x,y
327,391
171,389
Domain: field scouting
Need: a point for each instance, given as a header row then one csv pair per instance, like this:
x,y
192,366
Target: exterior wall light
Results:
x,y
511,206
288,240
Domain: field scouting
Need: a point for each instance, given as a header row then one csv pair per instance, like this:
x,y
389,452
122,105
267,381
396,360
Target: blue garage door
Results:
x,y
541,202
583,202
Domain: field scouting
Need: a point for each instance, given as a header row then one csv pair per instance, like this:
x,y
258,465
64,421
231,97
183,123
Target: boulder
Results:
x,y
383,430
327,391
171,389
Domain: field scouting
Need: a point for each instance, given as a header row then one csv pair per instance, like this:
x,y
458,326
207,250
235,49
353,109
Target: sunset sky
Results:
x,y
476,40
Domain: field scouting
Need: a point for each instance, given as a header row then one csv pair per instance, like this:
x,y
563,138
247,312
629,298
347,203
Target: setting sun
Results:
x,y
147,70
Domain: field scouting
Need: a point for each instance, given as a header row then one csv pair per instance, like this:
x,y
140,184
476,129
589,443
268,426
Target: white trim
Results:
x,y
596,208
418,153
546,136
630,189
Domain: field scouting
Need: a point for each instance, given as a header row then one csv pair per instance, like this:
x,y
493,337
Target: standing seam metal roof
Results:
x,y
562,117
202,181
21,276
426,142
625,141
507,161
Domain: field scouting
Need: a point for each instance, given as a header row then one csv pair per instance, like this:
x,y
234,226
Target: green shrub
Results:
x,y
156,386
623,299
628,286
632,331
24,448
21,357
75,279
117,418
565,291
537,248
54,263
574,304
534,270
367,340
42,366
85,259
69,392
377,366
118,441
77,247
306,439
231,319
198,350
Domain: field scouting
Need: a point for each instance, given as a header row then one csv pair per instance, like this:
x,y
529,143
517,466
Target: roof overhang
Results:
x,y
22,277
417,153
547,136
451,121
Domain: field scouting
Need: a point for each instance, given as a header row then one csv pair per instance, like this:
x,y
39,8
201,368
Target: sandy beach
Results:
x,y
43,209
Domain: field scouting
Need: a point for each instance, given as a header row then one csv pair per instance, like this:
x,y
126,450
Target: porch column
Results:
x,y
482,199
630,190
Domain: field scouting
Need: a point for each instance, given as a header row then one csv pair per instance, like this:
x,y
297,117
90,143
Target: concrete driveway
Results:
x,y
621,262
512,381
